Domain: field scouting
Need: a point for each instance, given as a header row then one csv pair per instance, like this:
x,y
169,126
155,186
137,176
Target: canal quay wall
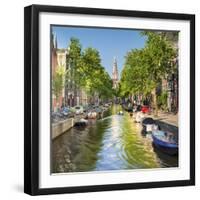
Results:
x,y
167,122
63,126
167,126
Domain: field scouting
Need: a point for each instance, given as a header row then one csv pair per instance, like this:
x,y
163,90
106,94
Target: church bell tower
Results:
x,y
115,78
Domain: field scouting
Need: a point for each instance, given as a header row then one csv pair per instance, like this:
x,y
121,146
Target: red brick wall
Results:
x,y
54,65
53,61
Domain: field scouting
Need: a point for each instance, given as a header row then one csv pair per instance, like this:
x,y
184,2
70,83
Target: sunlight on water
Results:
x,y
112,143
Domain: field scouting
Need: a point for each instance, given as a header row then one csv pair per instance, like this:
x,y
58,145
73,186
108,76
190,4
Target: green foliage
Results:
x,y
90,65
74,61
134,75
94,77
74,49
159,56
162,100
58,81
144,68
87,71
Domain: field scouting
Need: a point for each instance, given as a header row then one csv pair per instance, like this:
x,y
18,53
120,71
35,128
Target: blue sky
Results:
x,y
109,42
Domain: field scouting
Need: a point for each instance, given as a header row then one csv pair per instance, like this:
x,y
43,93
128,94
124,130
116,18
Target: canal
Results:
x,y
114,142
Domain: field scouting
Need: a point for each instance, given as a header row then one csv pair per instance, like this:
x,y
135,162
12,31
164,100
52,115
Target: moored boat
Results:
x,y
120,112
92,115
81,123
149,125
166,141
128,108
139,117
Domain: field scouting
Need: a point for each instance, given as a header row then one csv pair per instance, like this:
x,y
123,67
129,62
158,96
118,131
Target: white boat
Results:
x,y
139,117
120,112
83,120
92,115
149,125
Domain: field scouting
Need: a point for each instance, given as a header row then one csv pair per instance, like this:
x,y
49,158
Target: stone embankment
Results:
x,y
62,126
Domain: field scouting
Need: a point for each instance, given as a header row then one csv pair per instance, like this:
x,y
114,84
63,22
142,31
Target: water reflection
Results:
x,y
111,143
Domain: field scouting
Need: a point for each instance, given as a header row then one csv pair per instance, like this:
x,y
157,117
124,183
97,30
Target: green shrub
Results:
x,y
162,100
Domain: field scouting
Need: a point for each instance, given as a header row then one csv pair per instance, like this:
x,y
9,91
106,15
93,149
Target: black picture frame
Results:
x,y
31,98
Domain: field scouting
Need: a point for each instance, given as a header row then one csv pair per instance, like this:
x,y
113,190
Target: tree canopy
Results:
x,y
145,68
88,73
58,81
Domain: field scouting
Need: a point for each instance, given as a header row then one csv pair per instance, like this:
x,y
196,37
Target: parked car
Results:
x,y
145,109
78,110
85,108
57,116
65,111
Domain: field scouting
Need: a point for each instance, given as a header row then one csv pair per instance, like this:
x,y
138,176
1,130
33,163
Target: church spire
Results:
x,y
54,41
115,73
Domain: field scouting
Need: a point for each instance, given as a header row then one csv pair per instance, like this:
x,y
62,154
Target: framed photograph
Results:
x,y
109,99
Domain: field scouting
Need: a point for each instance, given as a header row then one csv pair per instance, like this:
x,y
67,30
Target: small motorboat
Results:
x,y
137,108
120,112
81,123
165,141
128,108
149,125
139,117
92,115
98,110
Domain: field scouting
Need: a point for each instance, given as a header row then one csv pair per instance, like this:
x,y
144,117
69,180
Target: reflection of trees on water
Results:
x,y
78,147
111,143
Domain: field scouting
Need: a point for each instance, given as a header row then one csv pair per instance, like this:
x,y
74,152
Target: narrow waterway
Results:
x,y
112,143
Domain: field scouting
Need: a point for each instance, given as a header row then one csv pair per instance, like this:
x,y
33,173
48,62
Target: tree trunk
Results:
x,y
56,108
155,102
132,99
98,100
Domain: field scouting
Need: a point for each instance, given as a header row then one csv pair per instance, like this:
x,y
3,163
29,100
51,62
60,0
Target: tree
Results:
x,y
134,82
159,56
94,77
86,71
145,68
90,65
74,60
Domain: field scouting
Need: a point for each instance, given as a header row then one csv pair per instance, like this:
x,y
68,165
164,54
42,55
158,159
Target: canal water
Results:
x,y
114,142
